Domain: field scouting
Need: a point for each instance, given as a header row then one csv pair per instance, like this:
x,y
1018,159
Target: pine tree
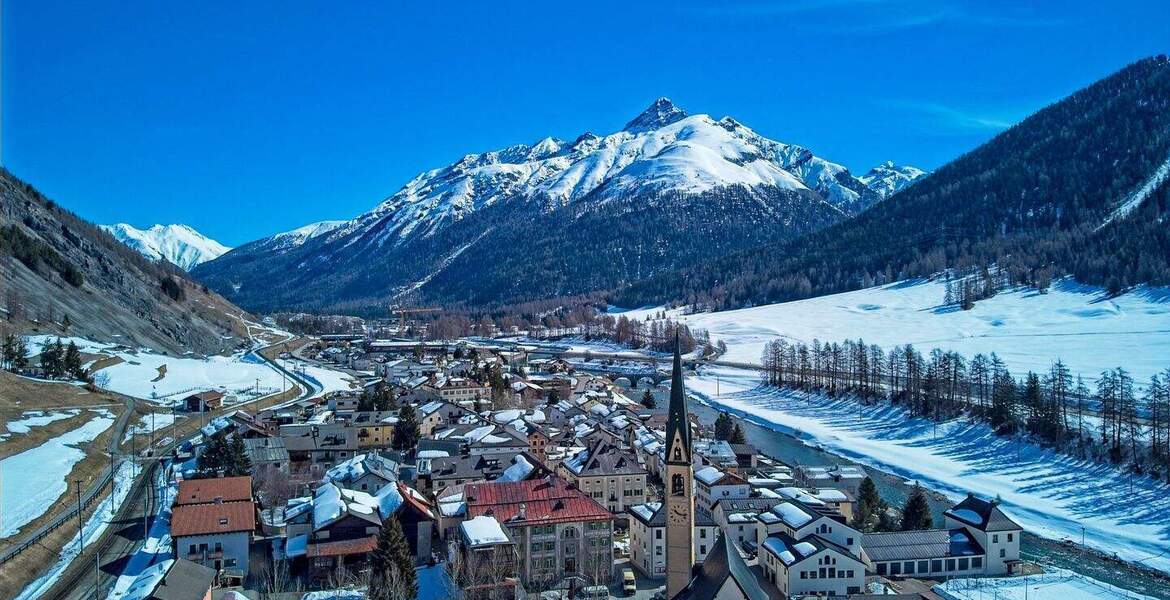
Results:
x,y
648,399
8,351
406,433
71,362
869,502
916,513
722,426
392,575
20,361
240,462
737,436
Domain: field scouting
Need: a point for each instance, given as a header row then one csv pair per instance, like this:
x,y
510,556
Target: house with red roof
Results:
x,y
562,534
212,523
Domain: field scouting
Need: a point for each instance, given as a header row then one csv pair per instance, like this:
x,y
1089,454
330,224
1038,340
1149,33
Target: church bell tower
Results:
x,y
680,477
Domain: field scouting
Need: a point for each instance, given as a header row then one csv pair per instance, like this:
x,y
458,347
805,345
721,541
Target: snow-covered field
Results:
x,y
93,529
1058,584
1026,329
149,423
240,374
328,379
1050,494
30,482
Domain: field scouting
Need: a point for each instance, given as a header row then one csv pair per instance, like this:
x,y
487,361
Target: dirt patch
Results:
x,y
105,362
19,442
162,372
18,394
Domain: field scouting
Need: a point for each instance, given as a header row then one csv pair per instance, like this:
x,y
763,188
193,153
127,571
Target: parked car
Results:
x,y
629,583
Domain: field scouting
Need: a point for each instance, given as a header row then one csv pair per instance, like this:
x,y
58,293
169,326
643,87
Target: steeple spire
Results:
x,y
678,426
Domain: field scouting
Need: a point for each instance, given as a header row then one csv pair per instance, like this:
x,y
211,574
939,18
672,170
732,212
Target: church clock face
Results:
x,y
678,515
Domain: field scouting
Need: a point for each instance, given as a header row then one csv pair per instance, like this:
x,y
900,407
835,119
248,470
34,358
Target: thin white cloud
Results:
x,y
875,16
943,118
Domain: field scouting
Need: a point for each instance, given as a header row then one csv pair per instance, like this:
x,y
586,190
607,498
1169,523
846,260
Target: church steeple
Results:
x,y
680,477
678,426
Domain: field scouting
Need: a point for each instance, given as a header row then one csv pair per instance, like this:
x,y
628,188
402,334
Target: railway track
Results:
x,y
93,574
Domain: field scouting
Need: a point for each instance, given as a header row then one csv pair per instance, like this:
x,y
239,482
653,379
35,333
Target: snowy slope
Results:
x,y
661,149
1027,330
179,244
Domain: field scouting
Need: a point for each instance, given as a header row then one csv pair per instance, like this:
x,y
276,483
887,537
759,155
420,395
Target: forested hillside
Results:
x,y
60,274
1078,188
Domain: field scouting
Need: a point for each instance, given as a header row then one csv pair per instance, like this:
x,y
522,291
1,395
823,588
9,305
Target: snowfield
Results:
x,y
179,244
241,374
1059,584
329,379
1028,330
1050,494
32,481
97,523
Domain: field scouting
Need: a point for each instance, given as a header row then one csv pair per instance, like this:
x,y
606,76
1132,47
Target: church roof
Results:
x,y
721,564
678,422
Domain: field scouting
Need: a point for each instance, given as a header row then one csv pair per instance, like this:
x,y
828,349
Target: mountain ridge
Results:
x,y
662,152
179,244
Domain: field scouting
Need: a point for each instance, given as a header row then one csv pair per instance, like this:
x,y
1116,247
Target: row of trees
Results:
x,y
727,430
57,359
1055,407
224,456
874,514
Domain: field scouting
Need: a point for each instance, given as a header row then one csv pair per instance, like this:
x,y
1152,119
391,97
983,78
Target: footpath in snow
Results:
x,y
32,481
1028,330
1050,494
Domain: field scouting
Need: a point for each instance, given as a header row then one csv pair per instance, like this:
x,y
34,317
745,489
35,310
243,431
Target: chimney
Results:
x,y
522,514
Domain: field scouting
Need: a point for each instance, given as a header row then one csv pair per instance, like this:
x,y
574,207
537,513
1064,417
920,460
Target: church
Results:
x,y
724,574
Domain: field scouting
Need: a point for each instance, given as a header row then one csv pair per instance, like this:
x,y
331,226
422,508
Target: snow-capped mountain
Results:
x,y
888,179
179,244
662,149
665,168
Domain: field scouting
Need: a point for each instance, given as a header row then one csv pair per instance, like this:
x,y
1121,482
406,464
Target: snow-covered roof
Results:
x,y
483,531
792,515
708,475
519,470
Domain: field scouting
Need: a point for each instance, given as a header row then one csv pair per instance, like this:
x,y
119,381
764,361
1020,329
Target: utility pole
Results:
x,y
80,527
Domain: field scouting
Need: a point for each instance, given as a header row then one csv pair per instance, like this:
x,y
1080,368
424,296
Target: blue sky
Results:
x,y
244,119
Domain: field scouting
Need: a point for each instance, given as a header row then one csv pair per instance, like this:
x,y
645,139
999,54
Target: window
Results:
x,y
908,567
1010,538
1002,553
703,533
995,538
881,568
702,549
923,566
895,568
848,541
963,564
804,574
950,564
977,562
657,534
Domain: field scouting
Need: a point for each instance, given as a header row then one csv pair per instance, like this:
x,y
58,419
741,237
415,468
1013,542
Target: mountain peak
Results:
x,y
180,244
660,113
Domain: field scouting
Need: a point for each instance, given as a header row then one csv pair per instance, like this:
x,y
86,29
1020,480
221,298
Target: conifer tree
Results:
x,y
869,502
723,426
71,362
916,513
406,433
240,462
648,399
737,435
392,575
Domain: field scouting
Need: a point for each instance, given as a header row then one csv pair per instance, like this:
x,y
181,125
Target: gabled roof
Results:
x,y
723,563
982,514
604,458
542,501
185,580
205,519
221,489
922,544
